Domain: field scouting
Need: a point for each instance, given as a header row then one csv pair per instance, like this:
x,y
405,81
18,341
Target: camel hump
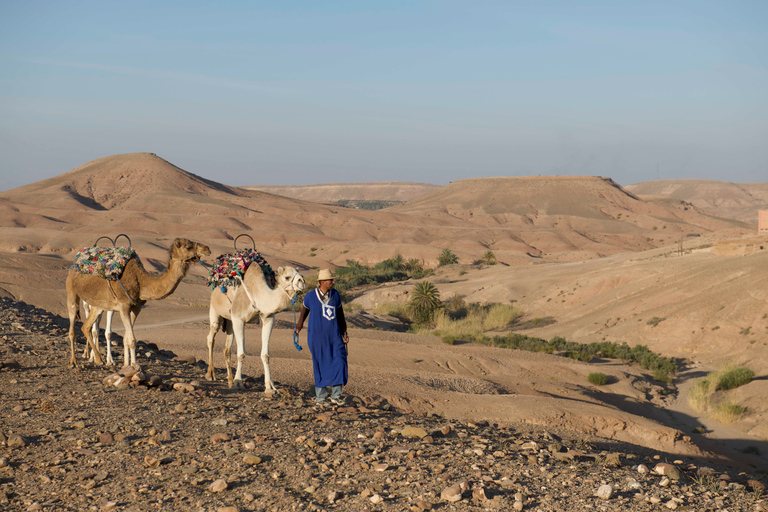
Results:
x,y
228,267
106,262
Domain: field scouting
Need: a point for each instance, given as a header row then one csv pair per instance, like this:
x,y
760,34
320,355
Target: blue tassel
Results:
x,y
223,289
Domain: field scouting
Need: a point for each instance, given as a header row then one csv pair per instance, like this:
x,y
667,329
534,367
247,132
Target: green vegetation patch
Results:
x,y
598,379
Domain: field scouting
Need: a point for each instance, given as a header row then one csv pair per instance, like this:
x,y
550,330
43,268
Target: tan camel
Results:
x,y
127,296
254,298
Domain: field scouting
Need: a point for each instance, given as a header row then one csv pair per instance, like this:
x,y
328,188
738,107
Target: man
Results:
x,y
327,338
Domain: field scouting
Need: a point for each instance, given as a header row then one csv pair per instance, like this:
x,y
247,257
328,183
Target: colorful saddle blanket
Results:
x,y
106,262
228,267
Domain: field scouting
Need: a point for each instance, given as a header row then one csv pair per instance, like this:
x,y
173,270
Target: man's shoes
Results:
x,y
337,401
321,405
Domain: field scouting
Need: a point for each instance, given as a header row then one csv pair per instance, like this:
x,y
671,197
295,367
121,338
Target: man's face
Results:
x,y
326,285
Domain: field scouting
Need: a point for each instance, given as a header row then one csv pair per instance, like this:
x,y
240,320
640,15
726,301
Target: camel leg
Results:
x,y
128,316
266,332
238,328
72,307
87,354
95,335
93,317
214,326
108,337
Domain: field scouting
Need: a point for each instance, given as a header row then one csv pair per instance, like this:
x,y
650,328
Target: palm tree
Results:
x,y
489,258
414,265
447,258
424,302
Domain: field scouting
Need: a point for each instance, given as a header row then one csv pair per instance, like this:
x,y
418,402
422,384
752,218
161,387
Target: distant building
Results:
x,y
762,221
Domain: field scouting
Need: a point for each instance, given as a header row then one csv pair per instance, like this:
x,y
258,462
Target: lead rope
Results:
x,y
295,334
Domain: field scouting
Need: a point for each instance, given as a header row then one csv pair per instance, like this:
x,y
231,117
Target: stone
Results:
x,y
16,441
452,493
376,499
478,494
251,459
667,470
106,438
220,438
218,485
413,432
643,469
605,492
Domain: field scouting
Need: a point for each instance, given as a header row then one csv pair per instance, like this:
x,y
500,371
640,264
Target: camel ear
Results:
x,y
280,270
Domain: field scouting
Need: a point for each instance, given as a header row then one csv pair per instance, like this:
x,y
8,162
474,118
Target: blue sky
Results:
x,y
280,93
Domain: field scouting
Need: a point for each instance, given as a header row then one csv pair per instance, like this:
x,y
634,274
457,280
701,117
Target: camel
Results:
x,y
254,298
127,296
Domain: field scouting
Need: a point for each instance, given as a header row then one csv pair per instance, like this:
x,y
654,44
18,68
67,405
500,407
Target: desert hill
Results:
x,y
740,201
517,218
396,191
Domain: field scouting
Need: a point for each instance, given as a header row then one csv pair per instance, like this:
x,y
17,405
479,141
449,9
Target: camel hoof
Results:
x,y
237,384
271,392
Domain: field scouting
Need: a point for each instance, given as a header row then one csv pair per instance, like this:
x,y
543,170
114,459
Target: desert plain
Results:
x,y
685,276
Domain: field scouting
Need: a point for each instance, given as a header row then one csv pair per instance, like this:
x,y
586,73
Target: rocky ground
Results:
x,y
158,438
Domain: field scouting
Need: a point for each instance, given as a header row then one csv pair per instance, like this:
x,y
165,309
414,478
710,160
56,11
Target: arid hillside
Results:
x,y
555,219
597,260
398,191
740,201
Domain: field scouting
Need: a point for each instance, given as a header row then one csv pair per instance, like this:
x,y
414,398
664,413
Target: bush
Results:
x,y
733,378
489,258
598,379
653,322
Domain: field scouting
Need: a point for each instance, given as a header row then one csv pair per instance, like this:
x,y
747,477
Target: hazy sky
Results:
x,y
280,93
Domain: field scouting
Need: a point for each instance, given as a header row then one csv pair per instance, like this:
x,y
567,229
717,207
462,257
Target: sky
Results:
x,y
306,92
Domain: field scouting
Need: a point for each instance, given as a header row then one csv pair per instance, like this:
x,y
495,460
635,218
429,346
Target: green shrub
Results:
x,y
661,376
598,379
489,258
733,378
653,322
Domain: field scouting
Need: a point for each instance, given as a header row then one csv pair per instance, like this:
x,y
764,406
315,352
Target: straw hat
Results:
x,y
324,275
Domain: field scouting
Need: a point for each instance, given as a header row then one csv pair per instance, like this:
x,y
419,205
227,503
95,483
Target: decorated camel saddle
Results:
x,y
106,262
229,269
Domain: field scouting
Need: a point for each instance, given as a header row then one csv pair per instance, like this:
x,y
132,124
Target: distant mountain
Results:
x,y
354,193
740,201
546,218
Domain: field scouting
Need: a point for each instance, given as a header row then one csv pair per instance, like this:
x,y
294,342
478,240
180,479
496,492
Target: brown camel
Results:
x,y
127,296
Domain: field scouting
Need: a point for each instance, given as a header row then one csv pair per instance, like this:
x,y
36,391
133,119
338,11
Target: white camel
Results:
x,y
254,298
87,352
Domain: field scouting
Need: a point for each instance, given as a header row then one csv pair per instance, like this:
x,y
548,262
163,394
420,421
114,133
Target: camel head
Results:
x,y
290,280
187,251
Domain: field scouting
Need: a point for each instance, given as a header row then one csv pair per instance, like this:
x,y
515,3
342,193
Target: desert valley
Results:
x,y
677,266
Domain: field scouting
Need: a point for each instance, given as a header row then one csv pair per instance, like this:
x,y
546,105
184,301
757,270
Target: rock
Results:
x,y
16,441
643,469
251,459
478,494
12,364
612,460
755,485
184,388
218,485
332,497
106,438
517,506
376,499
605,492
422,505
380,466
413,432
452,493
155,381
151,462
667,470
671,504
220,438
227,509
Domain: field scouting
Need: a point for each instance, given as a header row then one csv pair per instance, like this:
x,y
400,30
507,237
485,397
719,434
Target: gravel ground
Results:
x,y
158,438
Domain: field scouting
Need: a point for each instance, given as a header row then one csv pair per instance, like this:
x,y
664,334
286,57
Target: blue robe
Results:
x,y
329,354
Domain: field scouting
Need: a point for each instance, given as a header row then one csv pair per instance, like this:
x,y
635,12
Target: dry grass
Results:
x,y
477,321
703,398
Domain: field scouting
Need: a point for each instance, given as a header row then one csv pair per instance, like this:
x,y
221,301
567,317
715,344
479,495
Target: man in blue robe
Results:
x,y
327,338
